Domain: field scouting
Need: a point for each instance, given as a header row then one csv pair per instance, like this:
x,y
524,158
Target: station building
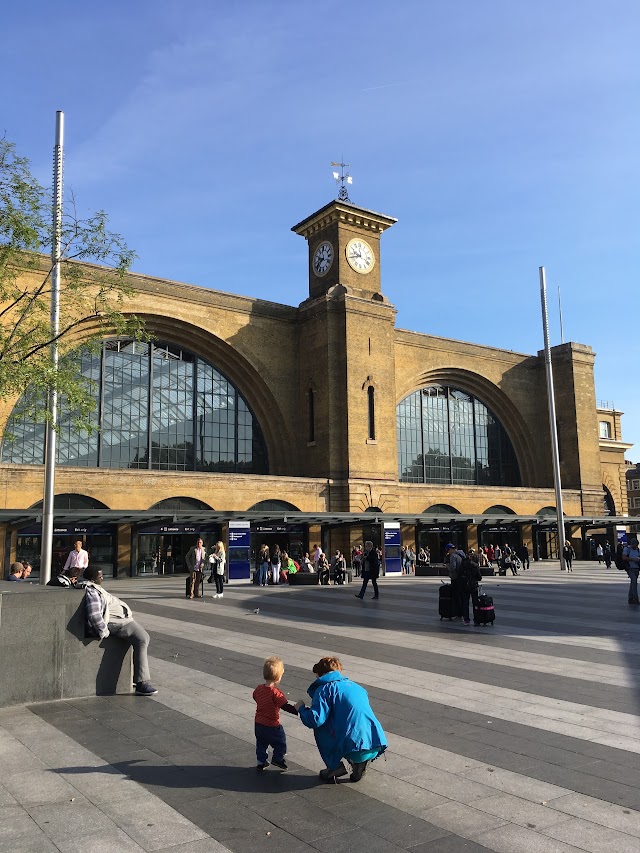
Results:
x,y
250,421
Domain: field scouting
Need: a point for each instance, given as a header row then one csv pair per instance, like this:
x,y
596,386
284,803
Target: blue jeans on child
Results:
x,y
273,736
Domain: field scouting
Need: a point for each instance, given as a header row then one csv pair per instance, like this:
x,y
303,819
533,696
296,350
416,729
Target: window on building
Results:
x,y
312,415
448,436
635,485
157,406
371,412
605,429
636,503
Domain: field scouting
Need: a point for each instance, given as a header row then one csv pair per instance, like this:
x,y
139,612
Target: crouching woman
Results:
x,y
343,723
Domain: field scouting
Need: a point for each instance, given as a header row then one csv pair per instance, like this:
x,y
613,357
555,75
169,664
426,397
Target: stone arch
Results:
x,y
273,506
547,511
494,398
181,503
72,500
440,509
498,509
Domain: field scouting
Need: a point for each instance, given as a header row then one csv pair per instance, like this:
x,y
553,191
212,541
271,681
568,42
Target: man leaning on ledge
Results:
x,y
108,616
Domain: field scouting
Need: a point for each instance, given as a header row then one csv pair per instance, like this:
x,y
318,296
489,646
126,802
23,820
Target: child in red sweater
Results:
x,y
269,701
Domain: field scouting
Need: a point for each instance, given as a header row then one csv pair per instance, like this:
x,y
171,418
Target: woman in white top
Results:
x,y
217,560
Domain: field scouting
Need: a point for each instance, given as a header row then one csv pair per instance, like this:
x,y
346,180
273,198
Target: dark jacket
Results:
x,y
372,564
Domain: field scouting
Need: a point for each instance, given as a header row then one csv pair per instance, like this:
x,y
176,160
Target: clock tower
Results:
x,y
344,248
346,361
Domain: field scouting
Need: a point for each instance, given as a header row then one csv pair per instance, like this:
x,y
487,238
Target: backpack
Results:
x,y
468,572
620,564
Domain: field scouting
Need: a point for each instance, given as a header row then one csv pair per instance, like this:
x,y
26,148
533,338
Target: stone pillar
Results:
x,y
124,555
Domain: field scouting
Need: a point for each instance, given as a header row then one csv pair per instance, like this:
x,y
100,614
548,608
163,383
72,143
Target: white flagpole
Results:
x,y
552,418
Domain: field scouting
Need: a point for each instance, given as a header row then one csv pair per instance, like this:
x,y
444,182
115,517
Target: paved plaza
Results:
x,y
521,737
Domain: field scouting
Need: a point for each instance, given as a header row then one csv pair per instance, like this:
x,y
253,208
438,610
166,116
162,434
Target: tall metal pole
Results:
x,y
553,427
52,402
560,314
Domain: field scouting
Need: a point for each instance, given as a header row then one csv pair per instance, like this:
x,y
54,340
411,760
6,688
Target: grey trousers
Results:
x,y
136,636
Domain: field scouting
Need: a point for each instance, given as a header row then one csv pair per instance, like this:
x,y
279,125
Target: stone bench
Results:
x,y
432,570
45,653
303,579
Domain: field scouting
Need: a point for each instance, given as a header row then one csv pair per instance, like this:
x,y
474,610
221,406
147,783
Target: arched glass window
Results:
x,y
448,436
157,407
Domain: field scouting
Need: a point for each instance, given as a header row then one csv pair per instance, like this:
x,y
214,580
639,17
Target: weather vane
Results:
x,y
343,178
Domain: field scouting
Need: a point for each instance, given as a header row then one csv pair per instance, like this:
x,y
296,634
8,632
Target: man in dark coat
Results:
x,y
370,570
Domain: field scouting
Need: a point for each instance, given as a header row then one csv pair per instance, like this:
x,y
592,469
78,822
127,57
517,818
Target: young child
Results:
x,y
269,700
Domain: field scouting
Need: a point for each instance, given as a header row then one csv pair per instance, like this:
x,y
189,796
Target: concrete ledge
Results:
x,y
45,654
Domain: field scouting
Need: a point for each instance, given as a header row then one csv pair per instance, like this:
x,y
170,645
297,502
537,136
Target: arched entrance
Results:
x,y
435,535
162,546
98,540
545,540
292,538
501,531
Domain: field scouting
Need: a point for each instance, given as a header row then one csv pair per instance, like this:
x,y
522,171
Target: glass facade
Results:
x,y
157,407
448,436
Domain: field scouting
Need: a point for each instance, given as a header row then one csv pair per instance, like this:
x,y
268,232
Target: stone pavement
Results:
x,y
521,737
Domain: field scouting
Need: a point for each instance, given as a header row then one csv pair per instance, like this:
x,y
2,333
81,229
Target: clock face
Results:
x,y
360,255
323,258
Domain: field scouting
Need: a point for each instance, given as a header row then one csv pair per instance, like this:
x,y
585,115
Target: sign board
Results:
x,y
239,550
391,548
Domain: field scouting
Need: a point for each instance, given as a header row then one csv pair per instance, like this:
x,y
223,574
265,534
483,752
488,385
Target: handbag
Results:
x,y
220,567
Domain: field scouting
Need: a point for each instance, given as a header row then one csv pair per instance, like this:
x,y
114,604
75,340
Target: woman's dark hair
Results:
x,y
326,665
91,573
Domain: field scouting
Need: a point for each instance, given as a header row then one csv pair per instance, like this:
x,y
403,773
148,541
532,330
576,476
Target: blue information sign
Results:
x,y
391,545
239,550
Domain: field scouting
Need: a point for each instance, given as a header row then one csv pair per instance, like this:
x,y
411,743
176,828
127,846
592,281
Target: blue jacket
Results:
x,y
342,719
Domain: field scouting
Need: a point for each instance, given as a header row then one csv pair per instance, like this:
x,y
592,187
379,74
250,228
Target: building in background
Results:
x,y
632,475
313,424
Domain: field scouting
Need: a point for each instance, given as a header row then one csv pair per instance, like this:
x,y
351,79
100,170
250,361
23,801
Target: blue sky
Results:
x,y
502,134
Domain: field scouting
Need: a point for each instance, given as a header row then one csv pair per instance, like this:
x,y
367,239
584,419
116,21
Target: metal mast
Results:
x,y
553,427
52,402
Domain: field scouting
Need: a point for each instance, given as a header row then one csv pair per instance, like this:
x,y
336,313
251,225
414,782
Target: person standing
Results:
x,y
219,558
523,553
631,560
317,553
78,558
454,559
607,555
370,570
276,562
600,553
568,553
469,576
263,565
195,561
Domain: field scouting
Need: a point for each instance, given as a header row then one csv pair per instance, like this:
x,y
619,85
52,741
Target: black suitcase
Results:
x,y
484,613
445,602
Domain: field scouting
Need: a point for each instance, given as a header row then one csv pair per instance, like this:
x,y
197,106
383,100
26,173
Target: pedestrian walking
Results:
x,y
568,553
631,561
270,700
370,570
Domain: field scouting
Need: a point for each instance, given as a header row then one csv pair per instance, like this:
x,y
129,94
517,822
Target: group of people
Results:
x,y
504,556
465,577
274,566
340,715
198,561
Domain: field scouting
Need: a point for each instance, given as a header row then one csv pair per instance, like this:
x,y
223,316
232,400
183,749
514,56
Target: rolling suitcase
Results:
x,y
195,586
484,613
445,602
